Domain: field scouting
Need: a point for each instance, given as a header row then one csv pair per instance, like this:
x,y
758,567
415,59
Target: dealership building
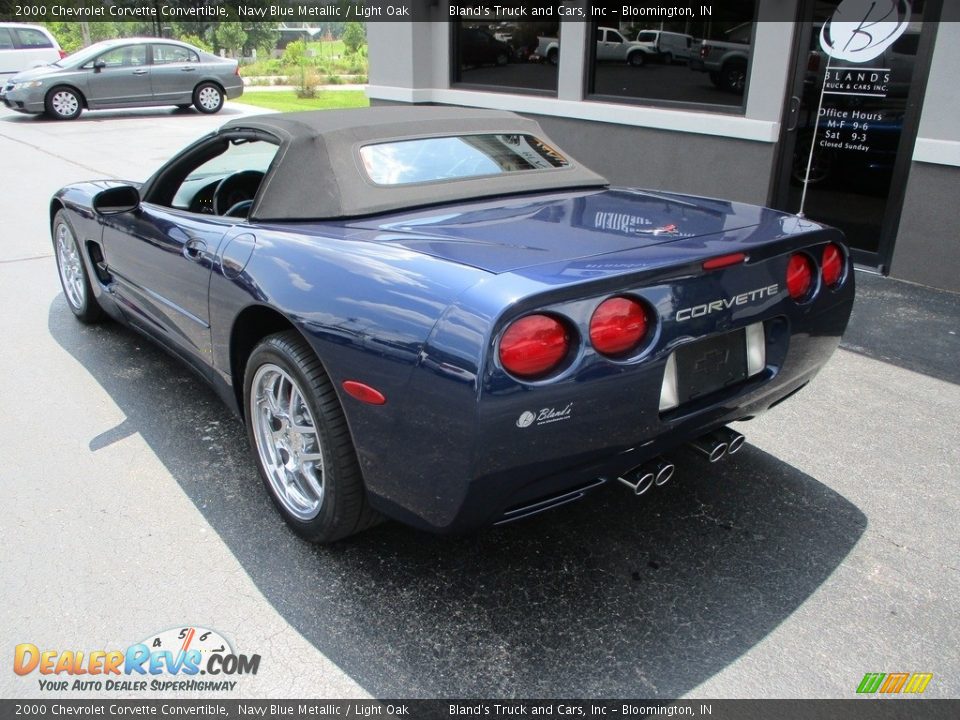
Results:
x,y
749,106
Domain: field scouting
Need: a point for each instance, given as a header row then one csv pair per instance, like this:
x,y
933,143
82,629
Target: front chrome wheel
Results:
x,y
73,273
70,265
287,441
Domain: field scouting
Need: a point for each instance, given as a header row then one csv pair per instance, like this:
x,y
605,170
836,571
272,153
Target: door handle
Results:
x,y
140,72
187,69
794,113
195,250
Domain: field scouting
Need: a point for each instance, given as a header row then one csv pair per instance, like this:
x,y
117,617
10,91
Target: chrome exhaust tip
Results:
x,y
710,446
732,438
643,481
664,472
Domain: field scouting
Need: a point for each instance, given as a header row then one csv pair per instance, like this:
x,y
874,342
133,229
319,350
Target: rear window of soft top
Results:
x,y
436,159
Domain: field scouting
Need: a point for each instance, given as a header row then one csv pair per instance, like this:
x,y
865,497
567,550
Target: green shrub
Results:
x,y
307,84
295,53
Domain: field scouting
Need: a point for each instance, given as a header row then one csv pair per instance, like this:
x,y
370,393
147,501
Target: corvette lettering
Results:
x,y
727,303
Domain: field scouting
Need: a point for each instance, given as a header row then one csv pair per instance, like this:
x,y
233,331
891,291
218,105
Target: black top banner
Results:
x,y
889,709
320,11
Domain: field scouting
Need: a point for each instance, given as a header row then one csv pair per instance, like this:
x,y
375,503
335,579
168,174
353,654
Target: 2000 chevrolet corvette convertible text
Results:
x,y
436,315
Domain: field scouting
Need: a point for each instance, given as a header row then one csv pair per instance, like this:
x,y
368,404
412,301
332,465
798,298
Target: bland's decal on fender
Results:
x,y
545,416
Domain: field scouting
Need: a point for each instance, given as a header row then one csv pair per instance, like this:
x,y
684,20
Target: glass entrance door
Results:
x,y
857,86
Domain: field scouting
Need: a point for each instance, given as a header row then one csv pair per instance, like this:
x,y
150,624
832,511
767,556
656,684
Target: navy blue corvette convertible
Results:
x,y
436,315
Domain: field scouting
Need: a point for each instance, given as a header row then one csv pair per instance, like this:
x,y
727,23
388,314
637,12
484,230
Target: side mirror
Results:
x,y
116,200
99,65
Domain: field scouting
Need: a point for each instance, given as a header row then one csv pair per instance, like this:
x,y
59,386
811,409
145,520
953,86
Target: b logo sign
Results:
x,y
860,30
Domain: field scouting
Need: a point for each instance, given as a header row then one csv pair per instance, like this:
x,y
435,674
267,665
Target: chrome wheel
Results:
x,y
209,97
288,441
65,103
71,268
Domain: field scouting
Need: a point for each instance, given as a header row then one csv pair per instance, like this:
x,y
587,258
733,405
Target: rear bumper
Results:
x,y
514,494
233,91
517,471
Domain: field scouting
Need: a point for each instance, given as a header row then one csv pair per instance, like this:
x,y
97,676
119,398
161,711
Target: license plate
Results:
x,y
712,364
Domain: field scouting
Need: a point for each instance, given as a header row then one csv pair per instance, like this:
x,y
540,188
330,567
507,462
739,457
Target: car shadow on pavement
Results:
x,y
120,114
615,596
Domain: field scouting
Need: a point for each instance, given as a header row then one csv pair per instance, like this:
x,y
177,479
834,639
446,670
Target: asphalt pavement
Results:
x,y
825,549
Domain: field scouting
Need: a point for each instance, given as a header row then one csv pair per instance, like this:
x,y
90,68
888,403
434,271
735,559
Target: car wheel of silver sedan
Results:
x,y
208,98
301,441
63,103
73,273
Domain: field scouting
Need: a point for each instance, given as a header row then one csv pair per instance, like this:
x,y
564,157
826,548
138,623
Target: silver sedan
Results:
x,y
132,72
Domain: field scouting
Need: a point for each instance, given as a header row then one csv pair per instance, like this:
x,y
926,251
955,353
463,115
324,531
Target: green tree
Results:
x,y
196,41
354,37
70,35
263,36
230,36
295,53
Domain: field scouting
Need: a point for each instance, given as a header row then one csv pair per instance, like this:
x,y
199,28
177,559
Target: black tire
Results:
x,y
502,59
63,103
208,98
733,77
553,57
343,508
636,59
72,270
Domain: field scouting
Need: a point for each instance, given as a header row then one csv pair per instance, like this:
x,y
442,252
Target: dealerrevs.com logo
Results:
x,y
169,661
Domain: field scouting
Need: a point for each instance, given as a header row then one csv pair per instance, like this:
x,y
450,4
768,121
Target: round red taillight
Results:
x,y
831,265
618,325
534,345
799,276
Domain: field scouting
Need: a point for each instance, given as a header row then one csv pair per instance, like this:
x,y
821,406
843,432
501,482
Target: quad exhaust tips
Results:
x,y
732,438
644,477
714,446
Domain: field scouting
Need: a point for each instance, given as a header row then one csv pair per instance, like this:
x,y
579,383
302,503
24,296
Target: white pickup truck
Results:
x,y
611,47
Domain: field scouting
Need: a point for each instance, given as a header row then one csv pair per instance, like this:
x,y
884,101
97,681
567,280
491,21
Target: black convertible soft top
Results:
x,y
318,172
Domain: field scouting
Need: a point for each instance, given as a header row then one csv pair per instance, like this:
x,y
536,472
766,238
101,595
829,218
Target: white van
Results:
x,y
671,47
25,46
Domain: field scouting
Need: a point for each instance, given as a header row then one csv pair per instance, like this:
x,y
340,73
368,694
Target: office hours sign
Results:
x,y
863,57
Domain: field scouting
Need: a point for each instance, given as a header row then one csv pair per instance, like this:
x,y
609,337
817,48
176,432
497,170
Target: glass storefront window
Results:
x,y
703,63
846,142
506,56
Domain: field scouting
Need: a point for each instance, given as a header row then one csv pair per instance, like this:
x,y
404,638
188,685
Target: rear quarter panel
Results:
x,y
366,309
